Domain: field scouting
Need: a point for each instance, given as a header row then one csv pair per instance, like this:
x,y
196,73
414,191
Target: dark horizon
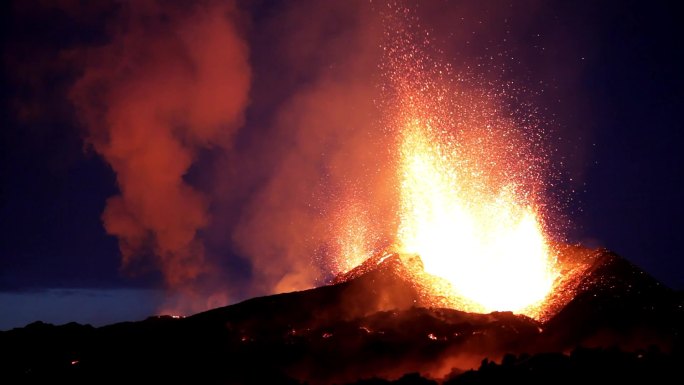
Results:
x,y
606,78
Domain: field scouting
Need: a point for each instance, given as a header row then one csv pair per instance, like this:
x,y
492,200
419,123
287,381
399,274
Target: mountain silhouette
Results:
x,y
369,322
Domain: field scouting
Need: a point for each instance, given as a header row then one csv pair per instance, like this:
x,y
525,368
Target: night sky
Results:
x,y
606,77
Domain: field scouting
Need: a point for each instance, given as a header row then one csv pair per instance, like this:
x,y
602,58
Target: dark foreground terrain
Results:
x,y
622,326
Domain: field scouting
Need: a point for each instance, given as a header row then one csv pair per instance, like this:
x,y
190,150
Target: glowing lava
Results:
x,y
472,170
490,248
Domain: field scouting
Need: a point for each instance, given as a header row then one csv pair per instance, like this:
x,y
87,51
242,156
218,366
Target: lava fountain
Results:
x,y
471,184
489,246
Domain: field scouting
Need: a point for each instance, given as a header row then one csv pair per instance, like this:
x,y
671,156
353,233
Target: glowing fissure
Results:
x,y
490,248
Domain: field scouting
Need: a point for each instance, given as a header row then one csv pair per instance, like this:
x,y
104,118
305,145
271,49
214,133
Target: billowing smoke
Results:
x,y
173,80
328,192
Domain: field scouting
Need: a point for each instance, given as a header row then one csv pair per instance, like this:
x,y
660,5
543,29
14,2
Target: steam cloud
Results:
x,y
173,80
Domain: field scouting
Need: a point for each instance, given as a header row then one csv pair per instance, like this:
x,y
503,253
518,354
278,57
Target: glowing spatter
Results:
x,y
471,187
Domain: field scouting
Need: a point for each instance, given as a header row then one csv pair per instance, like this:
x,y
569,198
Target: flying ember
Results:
x,y
471,172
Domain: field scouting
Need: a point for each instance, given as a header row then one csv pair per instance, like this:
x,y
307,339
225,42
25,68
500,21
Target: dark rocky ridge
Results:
x,y
365,325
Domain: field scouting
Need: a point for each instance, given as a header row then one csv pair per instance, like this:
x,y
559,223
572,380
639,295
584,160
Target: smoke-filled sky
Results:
x,y
162,156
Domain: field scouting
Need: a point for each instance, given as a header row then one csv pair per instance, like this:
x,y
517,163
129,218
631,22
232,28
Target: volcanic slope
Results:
x,y
616,304
366,324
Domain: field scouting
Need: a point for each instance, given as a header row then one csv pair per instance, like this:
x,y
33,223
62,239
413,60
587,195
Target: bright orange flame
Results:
x,y
487,245
352,238
471,170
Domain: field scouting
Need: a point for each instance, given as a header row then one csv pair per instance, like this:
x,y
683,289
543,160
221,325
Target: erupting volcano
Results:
x,y
361,207
489,247
471,182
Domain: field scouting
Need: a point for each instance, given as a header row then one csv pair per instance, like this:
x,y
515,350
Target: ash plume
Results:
x,y
173,80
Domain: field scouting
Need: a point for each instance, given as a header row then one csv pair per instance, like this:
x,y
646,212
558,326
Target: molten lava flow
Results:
x,y
489,247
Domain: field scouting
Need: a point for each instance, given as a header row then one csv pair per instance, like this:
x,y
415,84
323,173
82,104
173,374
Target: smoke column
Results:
x,y
172,81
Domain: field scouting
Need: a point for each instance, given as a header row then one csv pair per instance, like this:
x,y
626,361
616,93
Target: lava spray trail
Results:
x,y
471,174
